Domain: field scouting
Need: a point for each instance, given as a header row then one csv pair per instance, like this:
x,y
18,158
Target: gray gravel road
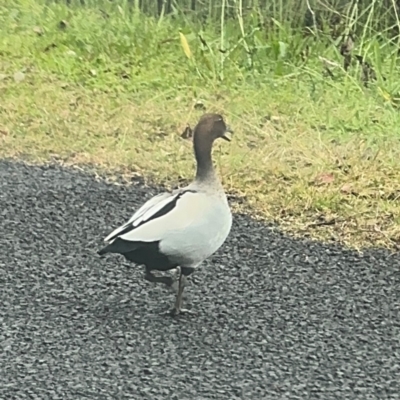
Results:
x,y
278,318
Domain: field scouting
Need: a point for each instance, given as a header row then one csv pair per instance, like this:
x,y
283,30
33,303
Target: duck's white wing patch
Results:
x,y
156,207
153,202
174,214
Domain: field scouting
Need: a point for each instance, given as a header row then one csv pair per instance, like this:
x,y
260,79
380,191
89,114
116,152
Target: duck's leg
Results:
x,y
178,302
184,272
166,280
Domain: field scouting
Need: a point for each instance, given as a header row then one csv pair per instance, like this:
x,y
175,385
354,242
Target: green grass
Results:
x,y
115,89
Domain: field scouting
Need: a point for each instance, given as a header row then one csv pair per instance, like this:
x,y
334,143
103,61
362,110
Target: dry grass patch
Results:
x,y
286,172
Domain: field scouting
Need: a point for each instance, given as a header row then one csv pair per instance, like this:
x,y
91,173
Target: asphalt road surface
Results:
x,y
277,318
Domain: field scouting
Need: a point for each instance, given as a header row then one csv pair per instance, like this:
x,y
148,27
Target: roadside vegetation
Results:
x,y
313,98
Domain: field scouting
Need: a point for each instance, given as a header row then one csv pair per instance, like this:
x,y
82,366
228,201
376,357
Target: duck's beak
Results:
x,y
228,134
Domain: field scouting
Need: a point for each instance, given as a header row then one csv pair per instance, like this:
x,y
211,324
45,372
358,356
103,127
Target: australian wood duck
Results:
x,y
183,227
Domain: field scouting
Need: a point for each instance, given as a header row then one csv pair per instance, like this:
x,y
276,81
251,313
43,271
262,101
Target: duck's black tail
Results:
x,y
120,246
103,251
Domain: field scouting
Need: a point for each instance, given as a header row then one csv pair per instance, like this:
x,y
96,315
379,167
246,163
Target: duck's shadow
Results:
x,y
150,303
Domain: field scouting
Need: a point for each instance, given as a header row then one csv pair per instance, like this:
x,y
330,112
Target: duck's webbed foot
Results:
x,y
166,280
183,311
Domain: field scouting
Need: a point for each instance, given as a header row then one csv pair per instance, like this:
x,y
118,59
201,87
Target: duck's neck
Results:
x,y
205,170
